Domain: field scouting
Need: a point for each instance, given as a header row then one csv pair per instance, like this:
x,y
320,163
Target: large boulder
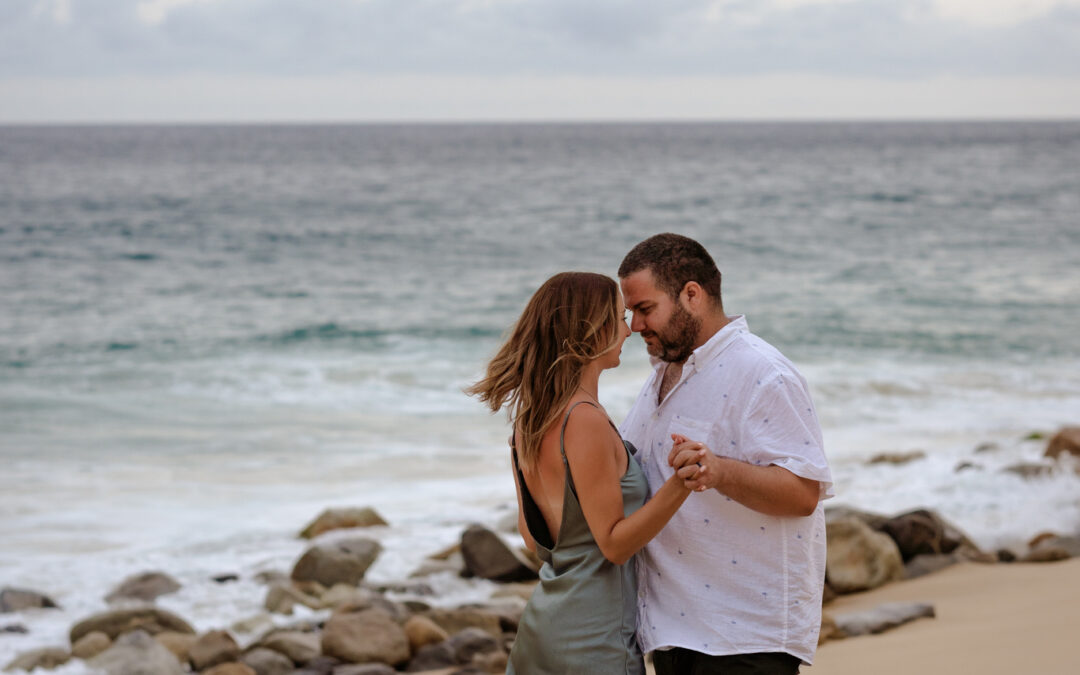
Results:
x,y
18,599
371,635
213,648
344,561
137,653
144,587
874,520
1066,441
858,558
487,556
337,519
46,658
923,532
119,621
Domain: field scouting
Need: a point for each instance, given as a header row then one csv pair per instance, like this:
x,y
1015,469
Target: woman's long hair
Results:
x,y
570,320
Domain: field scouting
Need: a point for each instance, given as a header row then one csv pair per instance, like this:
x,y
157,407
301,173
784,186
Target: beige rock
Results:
x,y
231,668
343,561
213,648
136,652
268,662
1028,470
299,647
523,590
179,644
858,558
282,597
881,618
829,631
371,635
90,645
1065,441
259,622
47,659
334,519
119,621
341,594
144,587
422,631
897,458
456,620
17,599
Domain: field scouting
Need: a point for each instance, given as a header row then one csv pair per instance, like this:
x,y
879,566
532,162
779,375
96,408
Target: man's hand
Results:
x,y
693,462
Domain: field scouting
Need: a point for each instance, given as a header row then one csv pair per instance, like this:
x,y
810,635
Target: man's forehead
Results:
x,y
639,286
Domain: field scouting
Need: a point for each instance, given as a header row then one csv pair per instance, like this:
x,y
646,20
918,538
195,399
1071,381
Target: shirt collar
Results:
x,y
735,326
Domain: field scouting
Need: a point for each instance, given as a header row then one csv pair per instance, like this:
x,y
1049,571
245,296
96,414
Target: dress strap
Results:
x,y
562,446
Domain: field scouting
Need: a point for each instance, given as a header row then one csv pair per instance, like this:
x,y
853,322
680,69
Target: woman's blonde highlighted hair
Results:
x,y
571,319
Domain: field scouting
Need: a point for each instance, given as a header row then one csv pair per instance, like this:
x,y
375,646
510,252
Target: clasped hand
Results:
x,y
693,463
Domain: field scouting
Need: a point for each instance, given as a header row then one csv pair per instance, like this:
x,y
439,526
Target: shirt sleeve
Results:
x,y
781,427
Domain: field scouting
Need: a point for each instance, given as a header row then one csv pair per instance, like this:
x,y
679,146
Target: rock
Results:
x,y
522,590
1006,556
488,557
230,668
432,657
365,669
925,532
874,520
46,658
343,561
18,599
858,558
422,631
470,642
213,648
1070,545
508,523
829,630
342,594
456,620
406,588
144,587
137,654
1027,470
967,466
429,567
1065,441
897,458
986,447
268,662
927,563
179,644
119,621
396,610
491,662
365,636
1046,553
881,618
324,665
282,597
225,578
16,628
300,648
828,594
90,645
253,624
271,577
336,519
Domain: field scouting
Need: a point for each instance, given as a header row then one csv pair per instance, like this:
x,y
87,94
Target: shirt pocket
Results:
x,y
692,429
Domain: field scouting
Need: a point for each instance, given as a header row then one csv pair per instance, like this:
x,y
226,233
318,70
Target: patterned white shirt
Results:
x,y
721,578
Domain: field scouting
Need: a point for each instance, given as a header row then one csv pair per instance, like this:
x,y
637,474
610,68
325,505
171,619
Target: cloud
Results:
x,y
545,38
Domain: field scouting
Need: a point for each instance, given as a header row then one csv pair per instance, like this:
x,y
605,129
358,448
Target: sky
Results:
x,y
458,60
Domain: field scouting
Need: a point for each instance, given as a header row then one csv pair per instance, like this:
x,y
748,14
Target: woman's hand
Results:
x,y
694,464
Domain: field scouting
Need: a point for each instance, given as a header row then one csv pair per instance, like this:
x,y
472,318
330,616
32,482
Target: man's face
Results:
x,y
668,328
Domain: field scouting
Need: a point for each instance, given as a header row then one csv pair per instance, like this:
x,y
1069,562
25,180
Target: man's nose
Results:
x,y
637,324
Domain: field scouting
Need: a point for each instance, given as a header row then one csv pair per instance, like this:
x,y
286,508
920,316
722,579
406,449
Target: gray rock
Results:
x,y
119,621
16,628
365,669
344,561
897,458
18,599
335,519
487,556
213,648
924,564
300,648
137,654
47,659
858,558
268,662
925,532
1071,545
144,587
432,657
881,618
1029,470
472,641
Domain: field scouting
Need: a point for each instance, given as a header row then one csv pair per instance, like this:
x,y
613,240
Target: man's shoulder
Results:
x,y
753,354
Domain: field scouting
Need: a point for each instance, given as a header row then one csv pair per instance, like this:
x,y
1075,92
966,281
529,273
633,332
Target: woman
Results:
x,y
581,496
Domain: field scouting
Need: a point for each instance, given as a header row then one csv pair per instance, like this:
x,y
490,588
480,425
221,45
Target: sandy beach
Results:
x,y
991,619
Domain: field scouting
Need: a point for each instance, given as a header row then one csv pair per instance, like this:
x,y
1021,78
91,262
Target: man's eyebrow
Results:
x,y
639,305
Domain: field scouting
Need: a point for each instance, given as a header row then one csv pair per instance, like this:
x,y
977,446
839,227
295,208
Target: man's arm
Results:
x,y
771,490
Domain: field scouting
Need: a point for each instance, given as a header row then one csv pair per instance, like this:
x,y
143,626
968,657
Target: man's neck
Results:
x,y
711,324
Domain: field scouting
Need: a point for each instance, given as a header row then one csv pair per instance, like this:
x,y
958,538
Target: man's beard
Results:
x,y
675,341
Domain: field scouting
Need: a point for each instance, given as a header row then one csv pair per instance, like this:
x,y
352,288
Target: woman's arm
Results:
x,y
594,453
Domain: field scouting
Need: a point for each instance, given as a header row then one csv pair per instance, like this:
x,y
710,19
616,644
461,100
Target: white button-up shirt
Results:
x,y
721,578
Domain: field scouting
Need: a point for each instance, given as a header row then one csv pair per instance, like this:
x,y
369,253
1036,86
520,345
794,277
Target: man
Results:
x,y
733,583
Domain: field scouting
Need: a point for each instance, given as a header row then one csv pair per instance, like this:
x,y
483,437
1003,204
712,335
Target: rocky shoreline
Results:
x,y
368,629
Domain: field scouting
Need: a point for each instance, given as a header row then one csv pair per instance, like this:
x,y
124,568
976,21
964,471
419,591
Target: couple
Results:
x,y
716,476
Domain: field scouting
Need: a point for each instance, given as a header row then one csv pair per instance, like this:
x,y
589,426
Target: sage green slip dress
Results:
x,y
582,616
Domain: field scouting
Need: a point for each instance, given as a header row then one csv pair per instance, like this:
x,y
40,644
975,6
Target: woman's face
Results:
x,y
610,358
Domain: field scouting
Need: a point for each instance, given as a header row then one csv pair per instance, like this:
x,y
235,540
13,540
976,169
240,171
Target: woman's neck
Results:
x,y
590,382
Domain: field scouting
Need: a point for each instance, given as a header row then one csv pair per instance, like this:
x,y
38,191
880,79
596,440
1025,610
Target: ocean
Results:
x,y
208,334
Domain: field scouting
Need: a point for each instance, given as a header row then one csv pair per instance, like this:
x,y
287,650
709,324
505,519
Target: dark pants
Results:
x,y
681,661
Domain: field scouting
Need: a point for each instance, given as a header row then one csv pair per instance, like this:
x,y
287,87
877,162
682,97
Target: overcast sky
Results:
x,y
346,60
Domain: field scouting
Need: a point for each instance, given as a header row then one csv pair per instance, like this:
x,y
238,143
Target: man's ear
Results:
x,y
692,294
